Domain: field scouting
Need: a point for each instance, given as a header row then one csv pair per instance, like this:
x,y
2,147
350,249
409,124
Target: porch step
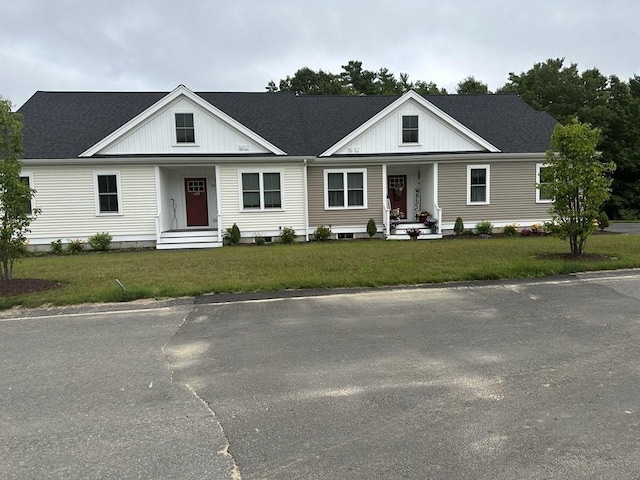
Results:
x,y
180,239
423,236
400,232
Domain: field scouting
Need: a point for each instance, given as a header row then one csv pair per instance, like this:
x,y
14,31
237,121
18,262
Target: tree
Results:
x,y
353,80
428,88
577,180
15,195
470,86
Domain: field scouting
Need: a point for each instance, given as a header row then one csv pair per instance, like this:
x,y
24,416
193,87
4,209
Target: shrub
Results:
x,y
233,234
484,228
100,241
288,235
458,228
510,230
538,229
74,247
322,233
372,228
56,246
259,240
603,221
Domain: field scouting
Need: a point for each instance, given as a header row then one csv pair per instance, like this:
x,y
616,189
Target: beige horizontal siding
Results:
x,y
512,193
263,221
347,217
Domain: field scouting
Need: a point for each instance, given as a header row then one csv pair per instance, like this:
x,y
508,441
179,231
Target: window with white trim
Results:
x,y
107,188
185,129
261,190
345,188
410,129
29,204
542,185
477,184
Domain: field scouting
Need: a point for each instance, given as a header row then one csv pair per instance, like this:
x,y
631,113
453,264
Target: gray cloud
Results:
x,y
240,45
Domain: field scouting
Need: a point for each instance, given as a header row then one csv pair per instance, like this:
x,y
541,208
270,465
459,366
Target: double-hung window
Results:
x,y
477,184
410,129
261,190
345,188
27,179
107,187
542,185
185,129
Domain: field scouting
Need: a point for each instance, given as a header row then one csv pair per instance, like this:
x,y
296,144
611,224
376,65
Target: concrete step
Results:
x,y
186,245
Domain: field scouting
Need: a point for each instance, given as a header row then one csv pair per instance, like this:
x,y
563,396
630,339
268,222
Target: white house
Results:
x,y
176,169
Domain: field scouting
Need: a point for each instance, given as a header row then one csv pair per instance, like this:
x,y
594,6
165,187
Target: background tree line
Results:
x,y
606,102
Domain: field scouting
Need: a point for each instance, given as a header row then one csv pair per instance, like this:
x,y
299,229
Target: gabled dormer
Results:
x,y
410,125
182,123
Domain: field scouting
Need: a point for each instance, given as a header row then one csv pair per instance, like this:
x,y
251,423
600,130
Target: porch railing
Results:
x,y
387,217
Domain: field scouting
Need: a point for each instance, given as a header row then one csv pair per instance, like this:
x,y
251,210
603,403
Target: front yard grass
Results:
x,y
91,277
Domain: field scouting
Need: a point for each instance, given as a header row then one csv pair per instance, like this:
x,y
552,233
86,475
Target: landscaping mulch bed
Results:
x,y
21,286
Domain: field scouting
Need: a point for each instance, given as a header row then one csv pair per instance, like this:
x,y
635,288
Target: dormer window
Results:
x,y
409,129
185,131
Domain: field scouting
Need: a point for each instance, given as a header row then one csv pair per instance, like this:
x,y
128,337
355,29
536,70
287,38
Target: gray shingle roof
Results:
x,y
65,124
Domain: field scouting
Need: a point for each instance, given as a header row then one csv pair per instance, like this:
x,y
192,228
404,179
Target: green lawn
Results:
x,y
91,277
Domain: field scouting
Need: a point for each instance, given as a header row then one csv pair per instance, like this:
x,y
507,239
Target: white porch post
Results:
x,y
386,204
156,171
216,169
438,211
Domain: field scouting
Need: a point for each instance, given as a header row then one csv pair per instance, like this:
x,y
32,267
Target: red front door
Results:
x,y
196,198
397,188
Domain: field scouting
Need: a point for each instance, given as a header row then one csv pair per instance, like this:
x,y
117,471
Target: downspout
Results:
x,y
306,200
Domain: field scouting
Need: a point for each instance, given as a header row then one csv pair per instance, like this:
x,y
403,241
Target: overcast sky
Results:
x,y
239,45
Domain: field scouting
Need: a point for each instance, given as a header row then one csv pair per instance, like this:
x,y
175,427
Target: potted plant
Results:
x,y
431,223
422,215
395,215
413,233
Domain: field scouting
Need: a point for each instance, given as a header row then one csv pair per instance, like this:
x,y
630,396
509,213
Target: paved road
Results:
x,y
527,380
632,228
86,394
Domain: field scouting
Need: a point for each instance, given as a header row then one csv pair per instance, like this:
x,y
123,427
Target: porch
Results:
x,y
411,207
187,208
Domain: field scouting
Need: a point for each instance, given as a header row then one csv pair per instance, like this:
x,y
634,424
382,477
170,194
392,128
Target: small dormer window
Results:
x,y
409,129
185,131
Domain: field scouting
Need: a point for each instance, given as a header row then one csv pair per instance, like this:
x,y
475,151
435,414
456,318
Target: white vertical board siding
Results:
x,y
158,135
434,135
66,195
264,221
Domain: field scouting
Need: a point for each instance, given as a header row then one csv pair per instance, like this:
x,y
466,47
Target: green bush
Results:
x,y
233,234
100,241
322,233
372,228
603,221
510,230
458,228
74,247
484,227
288,235
56,246
259,240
